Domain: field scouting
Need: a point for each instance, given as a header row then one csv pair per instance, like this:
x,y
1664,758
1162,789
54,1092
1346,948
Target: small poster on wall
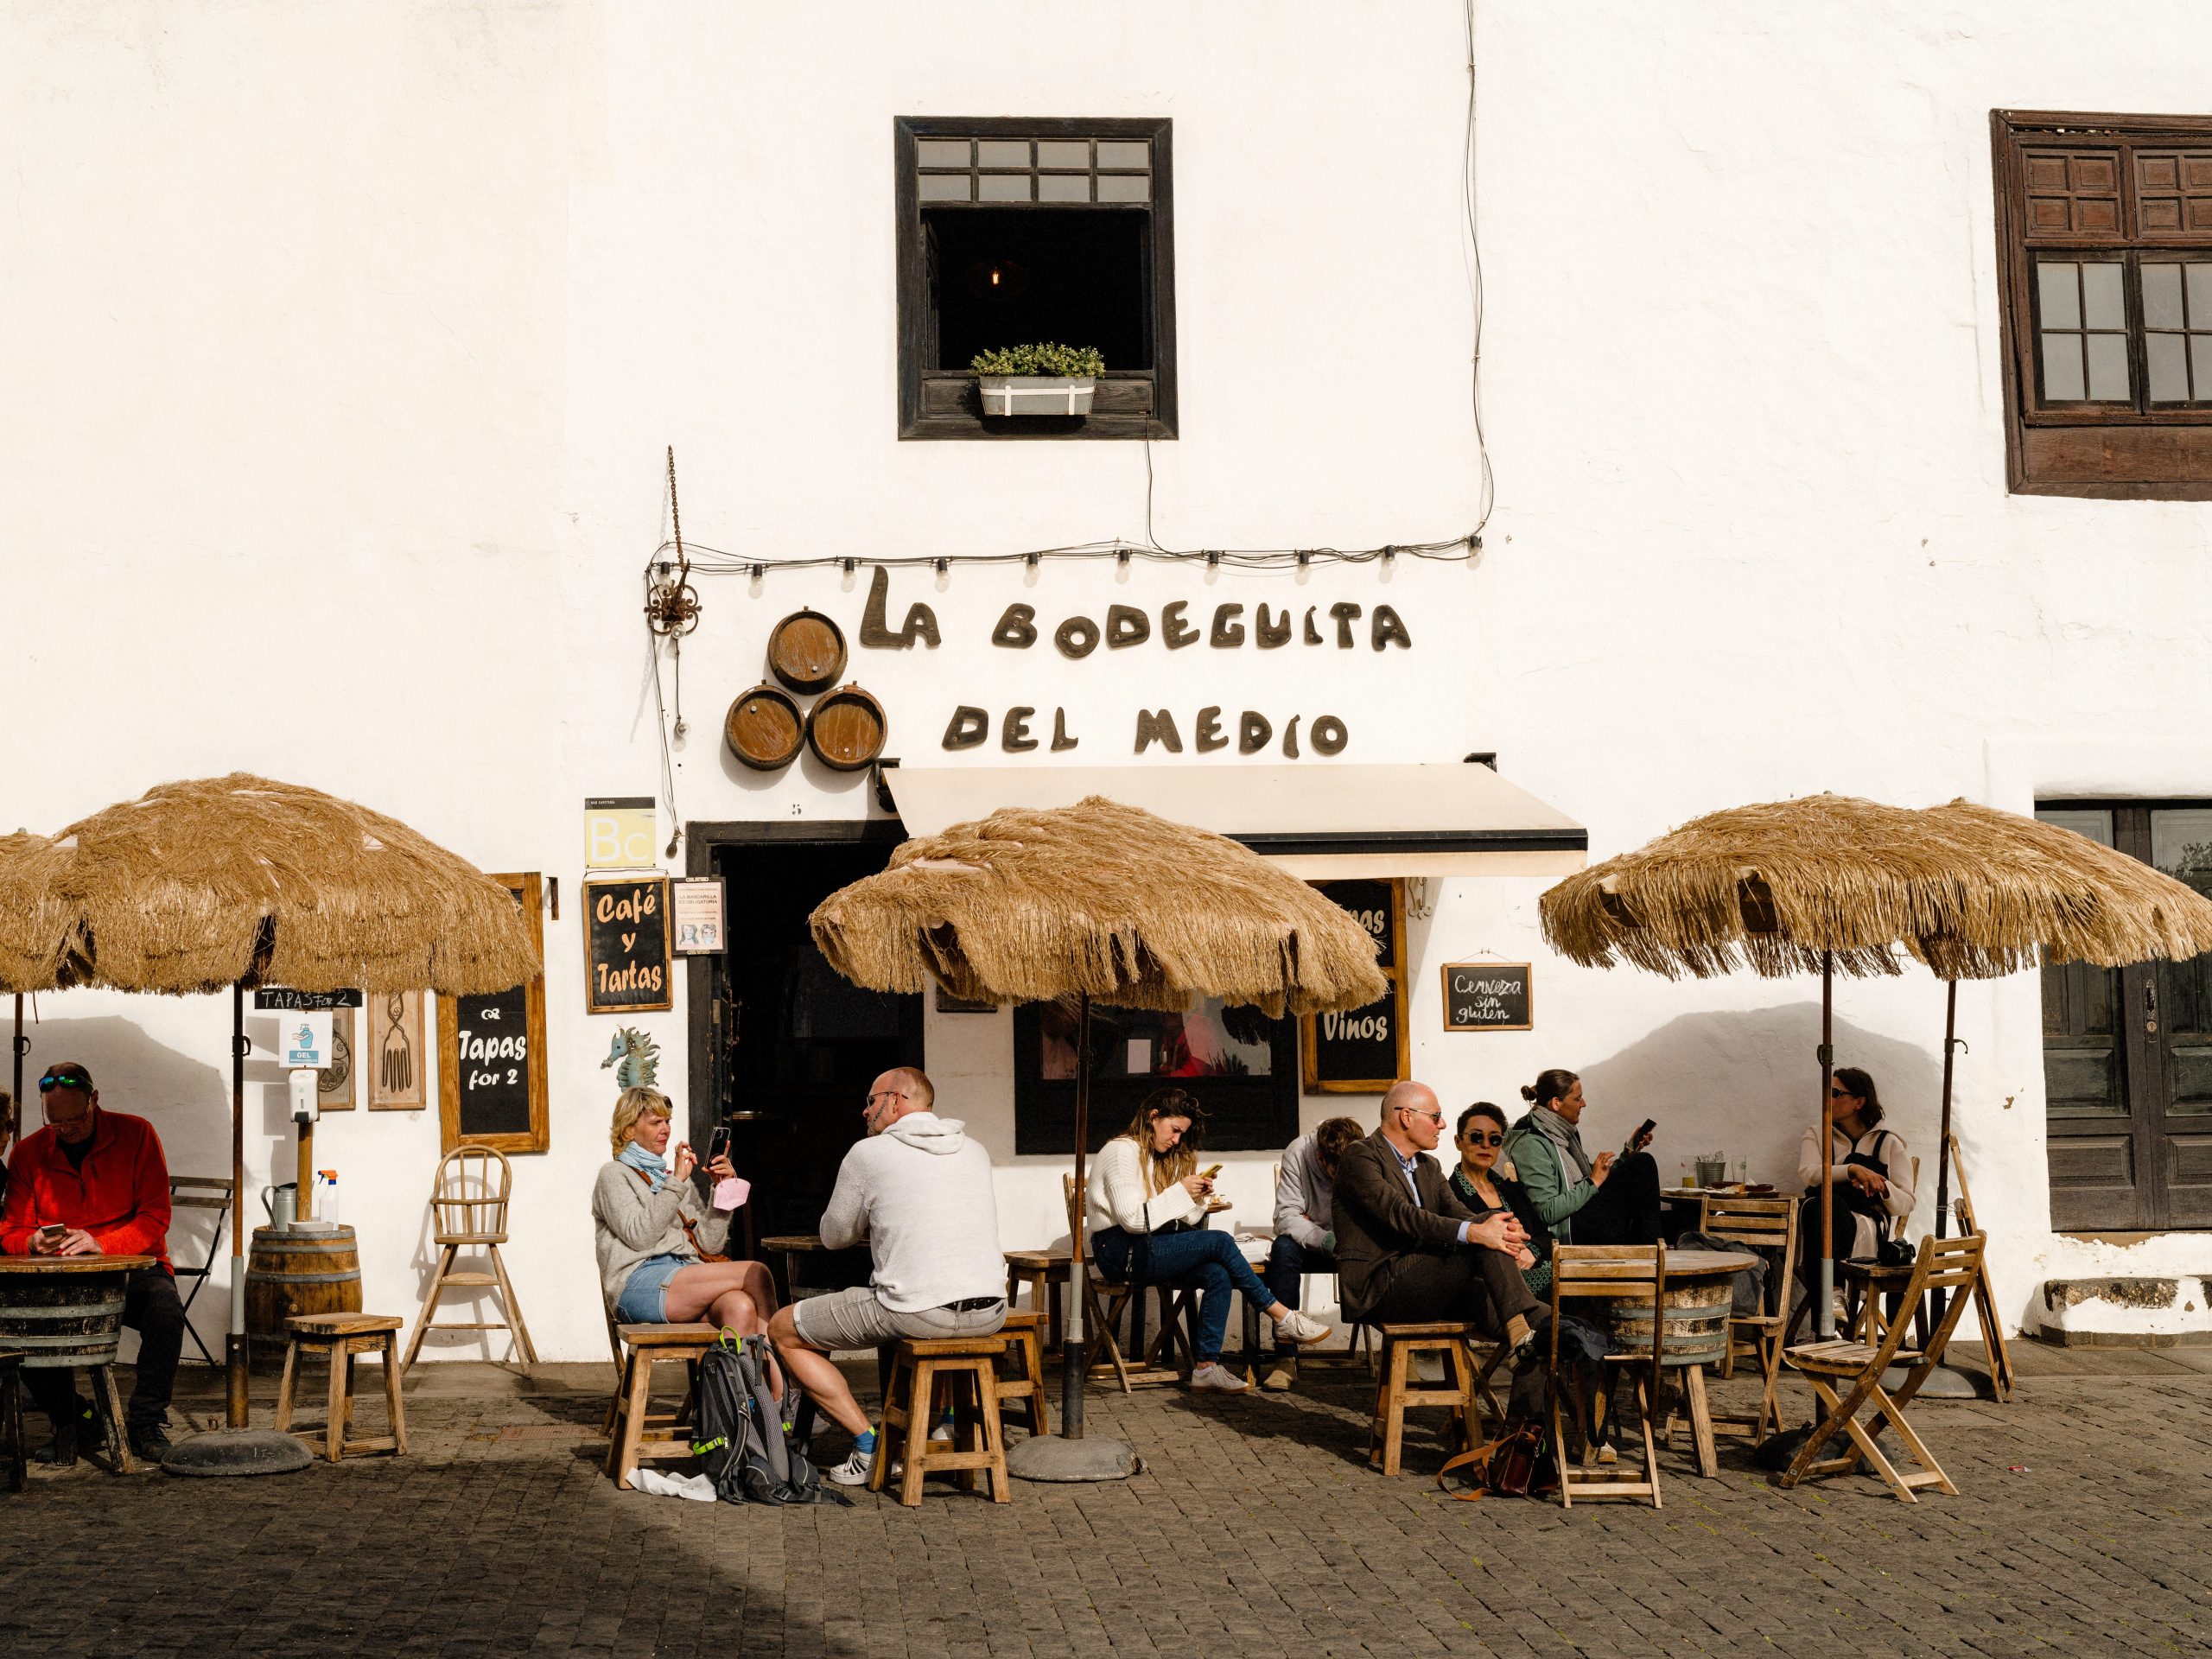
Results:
x,y
697,904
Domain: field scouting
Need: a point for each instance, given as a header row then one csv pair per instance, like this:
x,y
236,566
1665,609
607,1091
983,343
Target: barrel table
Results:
x,y
1694,1315
291,1272
64,1312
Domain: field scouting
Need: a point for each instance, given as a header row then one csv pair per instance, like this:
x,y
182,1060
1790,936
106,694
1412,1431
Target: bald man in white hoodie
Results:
x,y
918,1192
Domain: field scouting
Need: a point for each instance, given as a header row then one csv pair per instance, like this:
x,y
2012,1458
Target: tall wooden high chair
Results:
x,y
469,1210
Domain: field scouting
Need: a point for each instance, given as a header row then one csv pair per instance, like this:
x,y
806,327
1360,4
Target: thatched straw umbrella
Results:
x,y
1831,882
238,881
1096,901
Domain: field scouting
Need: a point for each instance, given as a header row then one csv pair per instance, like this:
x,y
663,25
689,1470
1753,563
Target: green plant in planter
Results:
x,y
1071,362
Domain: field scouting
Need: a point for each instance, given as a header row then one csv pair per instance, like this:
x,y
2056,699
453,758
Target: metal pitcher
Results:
x,y
283,1204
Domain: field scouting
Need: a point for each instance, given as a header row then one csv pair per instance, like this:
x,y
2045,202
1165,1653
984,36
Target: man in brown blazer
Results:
x,y
1407,1250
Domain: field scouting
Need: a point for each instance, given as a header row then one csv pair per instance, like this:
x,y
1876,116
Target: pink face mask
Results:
x,y
729,1194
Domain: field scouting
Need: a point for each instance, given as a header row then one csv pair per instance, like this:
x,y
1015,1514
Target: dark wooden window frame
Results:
x,y
1128,403
1044,1111
2111,451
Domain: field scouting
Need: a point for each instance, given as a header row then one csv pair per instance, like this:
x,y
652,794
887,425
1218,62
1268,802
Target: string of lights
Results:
x,y
703,559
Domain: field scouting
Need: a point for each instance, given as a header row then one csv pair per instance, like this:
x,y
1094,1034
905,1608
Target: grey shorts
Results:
x,y
848,1320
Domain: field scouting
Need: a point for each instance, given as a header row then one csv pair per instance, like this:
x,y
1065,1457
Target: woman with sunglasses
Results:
x,y
1869,1166
1485,1182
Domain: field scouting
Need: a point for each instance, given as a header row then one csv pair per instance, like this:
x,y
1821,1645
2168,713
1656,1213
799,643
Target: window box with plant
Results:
x,y
1040,379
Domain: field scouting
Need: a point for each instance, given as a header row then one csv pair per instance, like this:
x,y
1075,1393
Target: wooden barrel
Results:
x,y
56,1315
300,1273
807,651
1695,1313
846,728
764,728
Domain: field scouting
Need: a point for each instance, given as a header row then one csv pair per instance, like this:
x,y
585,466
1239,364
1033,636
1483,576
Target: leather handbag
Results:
x,y
1518,1463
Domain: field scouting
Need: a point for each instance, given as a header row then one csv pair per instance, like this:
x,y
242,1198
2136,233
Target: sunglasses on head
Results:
x,y
53,1080
1480,1138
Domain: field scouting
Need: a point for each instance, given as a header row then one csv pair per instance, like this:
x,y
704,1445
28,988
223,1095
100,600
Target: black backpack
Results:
x,y
741,1430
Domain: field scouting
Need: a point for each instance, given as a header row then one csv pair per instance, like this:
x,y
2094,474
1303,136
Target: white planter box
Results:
x,y
1035,394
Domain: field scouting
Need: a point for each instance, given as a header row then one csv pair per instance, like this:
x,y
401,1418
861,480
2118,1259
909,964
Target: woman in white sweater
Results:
x,y
654,1233
1146,1209
1869,1166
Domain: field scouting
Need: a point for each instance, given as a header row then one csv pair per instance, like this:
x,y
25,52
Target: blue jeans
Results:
x,y
1201,1260
1288,1262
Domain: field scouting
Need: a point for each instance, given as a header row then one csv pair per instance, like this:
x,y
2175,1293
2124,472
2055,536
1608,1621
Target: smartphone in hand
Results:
x,y
51,1235
1210,1172
1642,1138
718,1143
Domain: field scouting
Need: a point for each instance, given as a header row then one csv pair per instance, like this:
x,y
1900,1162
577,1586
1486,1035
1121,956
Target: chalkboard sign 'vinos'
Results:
x,y
1364,1052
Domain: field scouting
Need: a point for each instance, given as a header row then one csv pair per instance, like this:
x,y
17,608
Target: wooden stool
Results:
x,y
340,1337
1043,1271
965,1369
639,1433
1022,1383
1394,1395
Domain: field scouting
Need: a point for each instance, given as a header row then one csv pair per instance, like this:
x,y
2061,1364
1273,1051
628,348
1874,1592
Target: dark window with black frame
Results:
x,y
1241,1065
1015,233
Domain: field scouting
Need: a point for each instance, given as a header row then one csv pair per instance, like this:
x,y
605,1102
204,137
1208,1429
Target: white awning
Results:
x,y
1320,822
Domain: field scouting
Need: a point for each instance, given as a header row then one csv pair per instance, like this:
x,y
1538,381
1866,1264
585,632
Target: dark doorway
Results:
x,y
789,1046
2128,1051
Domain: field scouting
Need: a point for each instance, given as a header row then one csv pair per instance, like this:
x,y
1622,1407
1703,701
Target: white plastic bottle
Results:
x,y
326,1197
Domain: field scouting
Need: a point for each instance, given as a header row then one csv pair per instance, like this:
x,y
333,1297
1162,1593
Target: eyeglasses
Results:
x,y
1433,1117
1841,1094
1477,1138
887,1094
53,1080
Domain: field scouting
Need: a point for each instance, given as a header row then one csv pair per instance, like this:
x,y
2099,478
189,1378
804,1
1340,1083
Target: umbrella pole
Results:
x,y
15,1100
1943,1143
234,1354
1824,1313
1073,1345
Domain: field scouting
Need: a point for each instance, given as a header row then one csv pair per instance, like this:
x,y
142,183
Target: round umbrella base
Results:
x,y
237,1452
1050,1458
1944,1383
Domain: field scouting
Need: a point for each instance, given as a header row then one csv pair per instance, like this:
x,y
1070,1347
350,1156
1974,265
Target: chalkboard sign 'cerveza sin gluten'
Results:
x,y
627,946
491,1055
1487,996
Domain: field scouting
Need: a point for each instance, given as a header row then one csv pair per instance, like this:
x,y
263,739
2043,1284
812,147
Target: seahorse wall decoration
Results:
x,y
635,1058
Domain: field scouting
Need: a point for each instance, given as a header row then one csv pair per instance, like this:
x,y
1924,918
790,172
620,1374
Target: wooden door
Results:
x,y
2128,1051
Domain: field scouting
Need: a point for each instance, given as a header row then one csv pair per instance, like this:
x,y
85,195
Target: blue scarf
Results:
x,y
646,1163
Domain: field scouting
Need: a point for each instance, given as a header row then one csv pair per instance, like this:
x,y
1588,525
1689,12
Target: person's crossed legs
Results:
x,y
739,1296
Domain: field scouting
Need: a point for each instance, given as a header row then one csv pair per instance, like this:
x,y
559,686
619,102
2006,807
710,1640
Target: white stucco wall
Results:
x,y
343,343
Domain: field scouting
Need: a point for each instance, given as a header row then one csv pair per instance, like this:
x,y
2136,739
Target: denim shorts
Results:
x,y
645,1293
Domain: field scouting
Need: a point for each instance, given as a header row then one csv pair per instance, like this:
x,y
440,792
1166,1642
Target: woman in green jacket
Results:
x,y
1584,1200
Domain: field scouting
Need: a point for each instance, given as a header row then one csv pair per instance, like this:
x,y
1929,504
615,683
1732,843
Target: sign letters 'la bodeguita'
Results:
x,y
1344,625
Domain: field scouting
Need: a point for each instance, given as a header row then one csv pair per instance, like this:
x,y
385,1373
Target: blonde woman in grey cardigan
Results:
x,y
653,1230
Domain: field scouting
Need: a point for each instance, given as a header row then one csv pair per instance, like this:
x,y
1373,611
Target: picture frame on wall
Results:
x,y
392,1054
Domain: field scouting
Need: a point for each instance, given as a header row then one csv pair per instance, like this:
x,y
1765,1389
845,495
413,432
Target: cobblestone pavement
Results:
x,y
2084,1524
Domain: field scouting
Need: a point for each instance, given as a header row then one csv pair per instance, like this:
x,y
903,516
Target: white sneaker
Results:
x,y
854,1470
1219,1378
1295,1326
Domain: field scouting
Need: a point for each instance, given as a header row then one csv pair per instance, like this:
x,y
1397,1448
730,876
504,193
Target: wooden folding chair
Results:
x,y
468,1210
1985,1298
1104,1300
1944,1264
1617,1272
1764,1225
201,1192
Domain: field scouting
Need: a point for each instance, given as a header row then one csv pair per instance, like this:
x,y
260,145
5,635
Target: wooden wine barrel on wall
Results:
x,y
807,651
846,729
765,728
293,1273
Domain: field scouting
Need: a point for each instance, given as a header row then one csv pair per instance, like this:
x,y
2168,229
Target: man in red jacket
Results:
x,y
94,1183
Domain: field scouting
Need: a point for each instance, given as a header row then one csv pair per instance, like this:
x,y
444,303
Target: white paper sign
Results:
x,y
695,904
303,1039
